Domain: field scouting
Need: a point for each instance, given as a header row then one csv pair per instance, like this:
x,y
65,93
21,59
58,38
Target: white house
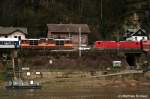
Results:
x,y
13,32
137,36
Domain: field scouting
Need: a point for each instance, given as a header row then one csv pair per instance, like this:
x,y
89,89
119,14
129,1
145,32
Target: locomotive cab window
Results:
x,y
99,43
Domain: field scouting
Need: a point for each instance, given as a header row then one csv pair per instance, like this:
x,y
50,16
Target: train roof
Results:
x,y
33,39
61,39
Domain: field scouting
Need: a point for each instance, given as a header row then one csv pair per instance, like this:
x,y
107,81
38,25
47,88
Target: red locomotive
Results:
x,y
122,45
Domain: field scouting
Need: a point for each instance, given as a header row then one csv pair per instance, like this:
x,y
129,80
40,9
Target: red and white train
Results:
x,y
66,44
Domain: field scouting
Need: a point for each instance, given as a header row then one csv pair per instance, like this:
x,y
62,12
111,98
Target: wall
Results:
x,y
84,39
73,36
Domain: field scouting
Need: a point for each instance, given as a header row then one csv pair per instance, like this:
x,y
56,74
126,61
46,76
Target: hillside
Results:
x,y
103,16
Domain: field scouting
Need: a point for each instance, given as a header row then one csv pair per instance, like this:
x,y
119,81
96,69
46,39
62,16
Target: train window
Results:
x,y
15,36
99,43
59,42
24,41
1,43
6,36
49,41
8,43
33,42
4,43
42,41
68,42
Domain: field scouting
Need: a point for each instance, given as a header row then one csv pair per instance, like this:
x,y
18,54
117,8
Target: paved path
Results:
x,y
124,73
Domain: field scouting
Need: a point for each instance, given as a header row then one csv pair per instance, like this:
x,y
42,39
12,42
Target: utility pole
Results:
x,y
80,42
101,27
13,56
101,9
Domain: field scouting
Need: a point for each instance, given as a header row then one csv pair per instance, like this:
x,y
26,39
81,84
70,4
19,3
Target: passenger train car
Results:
x,y
45,43
9,43
29,43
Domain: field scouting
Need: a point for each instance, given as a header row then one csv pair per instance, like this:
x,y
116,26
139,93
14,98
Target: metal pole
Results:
x,y
13,63
80,42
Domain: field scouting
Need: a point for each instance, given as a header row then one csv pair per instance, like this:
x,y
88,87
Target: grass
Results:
x,y
2,76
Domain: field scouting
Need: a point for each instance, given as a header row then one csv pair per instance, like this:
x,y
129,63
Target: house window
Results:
x,y
50,36
143,38
135,38
6,36
55,36
139,33
70,36
19,37
82,36
59,36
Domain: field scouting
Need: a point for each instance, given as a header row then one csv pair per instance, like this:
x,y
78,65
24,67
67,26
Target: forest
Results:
x,y
104,17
